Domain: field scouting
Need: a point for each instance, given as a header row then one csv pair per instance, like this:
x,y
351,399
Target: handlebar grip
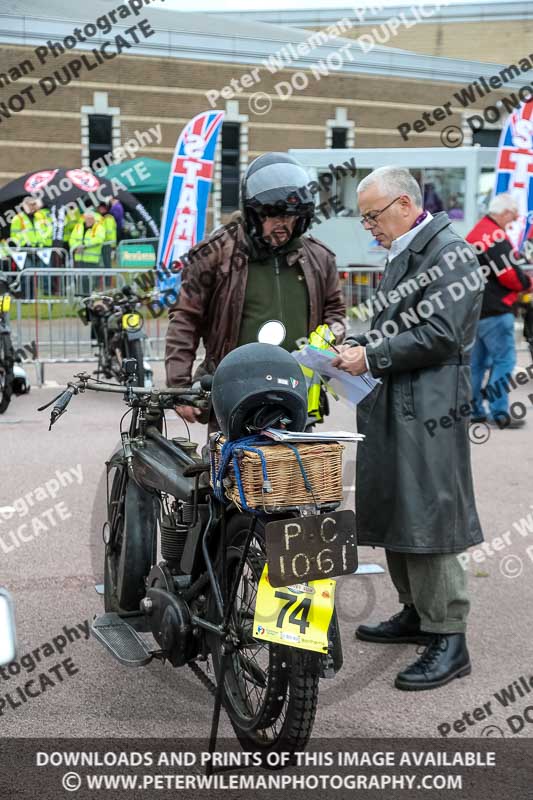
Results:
x,y
62,402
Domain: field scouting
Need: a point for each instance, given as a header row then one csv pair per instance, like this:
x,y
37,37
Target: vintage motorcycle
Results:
x,y
244,583
117,327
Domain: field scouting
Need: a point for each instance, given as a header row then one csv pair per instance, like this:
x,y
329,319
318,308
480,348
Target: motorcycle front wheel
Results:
x,y
131,537
270,691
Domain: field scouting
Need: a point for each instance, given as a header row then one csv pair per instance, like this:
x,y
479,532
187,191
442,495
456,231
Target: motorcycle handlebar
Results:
x,y
60,405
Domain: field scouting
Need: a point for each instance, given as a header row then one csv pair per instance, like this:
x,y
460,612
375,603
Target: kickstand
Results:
x,y
226,651
216,713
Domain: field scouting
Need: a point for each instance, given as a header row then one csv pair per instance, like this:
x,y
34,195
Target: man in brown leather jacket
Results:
x,y
257,268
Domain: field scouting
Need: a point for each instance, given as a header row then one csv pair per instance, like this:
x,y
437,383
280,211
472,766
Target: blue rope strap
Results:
x,y
308,487
229,454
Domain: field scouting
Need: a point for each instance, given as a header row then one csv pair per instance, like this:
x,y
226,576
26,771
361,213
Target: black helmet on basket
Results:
x,y
276,185
257,386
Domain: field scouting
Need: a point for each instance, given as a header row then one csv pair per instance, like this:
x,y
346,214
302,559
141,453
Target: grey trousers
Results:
x,y
436,585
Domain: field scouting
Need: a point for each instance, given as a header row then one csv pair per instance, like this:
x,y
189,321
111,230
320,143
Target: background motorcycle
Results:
x,y
117,325
199,601
13,378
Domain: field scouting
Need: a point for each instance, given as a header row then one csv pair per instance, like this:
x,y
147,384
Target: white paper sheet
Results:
x,y
311,436
353,387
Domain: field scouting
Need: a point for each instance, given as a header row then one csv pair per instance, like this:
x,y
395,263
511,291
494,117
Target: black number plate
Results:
x,y
310,548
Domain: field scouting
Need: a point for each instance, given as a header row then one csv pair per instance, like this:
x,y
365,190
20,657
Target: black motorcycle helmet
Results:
x,y
276,185
257,386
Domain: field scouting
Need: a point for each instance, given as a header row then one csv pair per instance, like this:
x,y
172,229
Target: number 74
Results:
x,y
301,610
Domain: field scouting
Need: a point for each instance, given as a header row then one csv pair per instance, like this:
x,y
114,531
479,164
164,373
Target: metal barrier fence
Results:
x,y
36,257
359,284
47,323
49,327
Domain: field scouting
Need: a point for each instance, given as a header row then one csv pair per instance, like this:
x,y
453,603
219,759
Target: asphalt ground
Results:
x,y
52,567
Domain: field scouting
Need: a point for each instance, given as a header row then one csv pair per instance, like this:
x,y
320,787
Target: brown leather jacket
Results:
x,y
212,294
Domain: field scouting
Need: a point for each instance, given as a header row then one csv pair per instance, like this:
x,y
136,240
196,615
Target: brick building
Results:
x,y
282,86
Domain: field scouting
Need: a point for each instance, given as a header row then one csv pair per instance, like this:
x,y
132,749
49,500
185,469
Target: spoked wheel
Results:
x,y
269,692
130,536
6,372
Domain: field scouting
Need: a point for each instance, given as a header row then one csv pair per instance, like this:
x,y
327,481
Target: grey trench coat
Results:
x,y
414,488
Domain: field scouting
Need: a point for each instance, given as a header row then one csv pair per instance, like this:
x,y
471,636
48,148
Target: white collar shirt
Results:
x,y
403,241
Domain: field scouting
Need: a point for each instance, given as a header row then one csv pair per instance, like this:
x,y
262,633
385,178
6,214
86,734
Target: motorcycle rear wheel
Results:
x,y
270,691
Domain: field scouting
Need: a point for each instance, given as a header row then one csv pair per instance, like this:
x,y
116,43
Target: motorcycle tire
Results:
x,y
277,713
131,539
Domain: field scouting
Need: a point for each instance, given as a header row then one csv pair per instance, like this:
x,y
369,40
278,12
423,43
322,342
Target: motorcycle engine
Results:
x,y
169,617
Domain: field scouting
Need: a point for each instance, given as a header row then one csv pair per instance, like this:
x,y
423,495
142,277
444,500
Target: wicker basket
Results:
x,y
322,462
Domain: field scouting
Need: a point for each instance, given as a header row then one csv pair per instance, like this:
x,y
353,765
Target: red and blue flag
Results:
x,y
514,169
187,195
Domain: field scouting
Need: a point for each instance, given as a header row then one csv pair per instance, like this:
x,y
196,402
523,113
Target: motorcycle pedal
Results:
x,y
121,640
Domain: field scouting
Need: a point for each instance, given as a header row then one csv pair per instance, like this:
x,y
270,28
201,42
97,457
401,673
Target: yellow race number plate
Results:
x,y
297,615
5,302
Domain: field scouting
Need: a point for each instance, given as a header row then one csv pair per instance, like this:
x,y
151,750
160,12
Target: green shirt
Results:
x,y
275,290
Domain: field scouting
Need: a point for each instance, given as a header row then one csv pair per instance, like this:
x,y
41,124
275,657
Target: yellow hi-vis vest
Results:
x,y
22,231
90,240
72,217
110,225
44,227
320,338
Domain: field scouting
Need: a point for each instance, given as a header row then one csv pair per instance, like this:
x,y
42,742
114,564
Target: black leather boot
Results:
x,y
445,658
402,628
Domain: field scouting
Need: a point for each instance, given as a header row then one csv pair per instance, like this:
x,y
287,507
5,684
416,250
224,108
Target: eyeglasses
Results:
x,y
370,219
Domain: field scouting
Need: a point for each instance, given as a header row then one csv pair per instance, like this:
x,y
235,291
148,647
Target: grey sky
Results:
x,y
271,5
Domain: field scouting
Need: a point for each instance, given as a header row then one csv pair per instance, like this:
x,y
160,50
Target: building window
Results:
x,y
487,138
338,138
100,136
230,166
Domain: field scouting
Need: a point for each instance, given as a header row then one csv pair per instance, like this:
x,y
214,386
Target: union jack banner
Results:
x,y
514,169
187,195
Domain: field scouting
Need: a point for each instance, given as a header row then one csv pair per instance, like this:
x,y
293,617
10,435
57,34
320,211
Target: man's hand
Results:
x,y
351,360
188,413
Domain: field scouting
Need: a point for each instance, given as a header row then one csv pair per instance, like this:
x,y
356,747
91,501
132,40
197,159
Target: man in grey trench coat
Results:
x,y
415,494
